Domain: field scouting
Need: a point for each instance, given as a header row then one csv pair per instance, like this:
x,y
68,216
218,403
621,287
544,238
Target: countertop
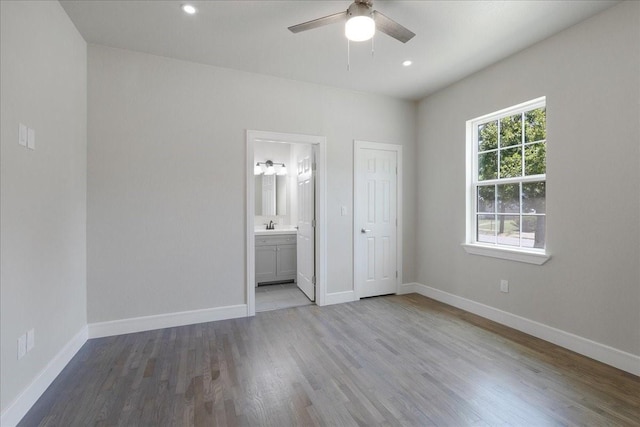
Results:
x,y
263,232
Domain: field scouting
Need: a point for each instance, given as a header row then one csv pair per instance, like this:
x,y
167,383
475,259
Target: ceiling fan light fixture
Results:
x,y
188,9
360,28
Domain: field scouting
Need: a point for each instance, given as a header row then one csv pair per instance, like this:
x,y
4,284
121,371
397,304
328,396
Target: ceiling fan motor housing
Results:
x,y
359,9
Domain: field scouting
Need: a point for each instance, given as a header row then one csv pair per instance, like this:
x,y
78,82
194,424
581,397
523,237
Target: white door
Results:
x,y
306,223
375,221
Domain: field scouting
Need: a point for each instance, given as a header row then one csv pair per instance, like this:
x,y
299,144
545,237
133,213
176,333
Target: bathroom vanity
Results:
x,y
275,256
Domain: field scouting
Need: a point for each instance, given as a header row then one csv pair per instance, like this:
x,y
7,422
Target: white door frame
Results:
x,y
357,145
320,142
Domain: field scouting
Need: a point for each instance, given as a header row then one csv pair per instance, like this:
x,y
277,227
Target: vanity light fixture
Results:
x,y
268,168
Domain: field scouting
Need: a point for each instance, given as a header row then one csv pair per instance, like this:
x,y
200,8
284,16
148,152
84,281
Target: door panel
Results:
x,y
265,263
286,265
306,222
376,226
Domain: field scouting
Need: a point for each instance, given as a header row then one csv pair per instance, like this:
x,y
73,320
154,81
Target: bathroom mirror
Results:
x,y
271,195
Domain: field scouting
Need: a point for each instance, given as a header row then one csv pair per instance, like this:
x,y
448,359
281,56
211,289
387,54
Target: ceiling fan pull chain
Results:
x,y
372,45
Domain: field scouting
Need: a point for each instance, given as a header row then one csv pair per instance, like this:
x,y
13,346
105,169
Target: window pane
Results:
x,y
533,197
511,130
486,227
488,166
533,231
509,177
509,198
535,159
535,125
511,162
509,230
488,136
486,198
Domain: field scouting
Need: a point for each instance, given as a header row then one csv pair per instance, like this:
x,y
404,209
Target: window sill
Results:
x,y
519,255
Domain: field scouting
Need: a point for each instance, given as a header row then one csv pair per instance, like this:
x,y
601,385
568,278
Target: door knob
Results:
x,y
364,230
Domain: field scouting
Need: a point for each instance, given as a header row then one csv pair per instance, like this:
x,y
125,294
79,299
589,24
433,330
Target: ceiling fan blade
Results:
x,y
392,28
326,20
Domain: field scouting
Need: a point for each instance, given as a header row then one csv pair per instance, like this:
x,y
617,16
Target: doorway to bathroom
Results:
x,y
286,231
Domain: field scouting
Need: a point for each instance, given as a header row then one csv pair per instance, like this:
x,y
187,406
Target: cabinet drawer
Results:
x,y
284,239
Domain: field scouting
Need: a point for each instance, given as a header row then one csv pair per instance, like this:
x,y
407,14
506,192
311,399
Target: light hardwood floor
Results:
x,y
396,360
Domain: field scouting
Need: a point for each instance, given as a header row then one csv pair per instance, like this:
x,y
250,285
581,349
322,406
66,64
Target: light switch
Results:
x,y
31,139
31,339
22,135
343,210
22,346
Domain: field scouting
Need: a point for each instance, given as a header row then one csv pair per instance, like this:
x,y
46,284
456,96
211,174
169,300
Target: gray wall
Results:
x,y
43,202
166,176
590,74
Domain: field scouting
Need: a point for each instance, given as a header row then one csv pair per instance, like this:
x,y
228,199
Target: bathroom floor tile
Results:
x,y
274,297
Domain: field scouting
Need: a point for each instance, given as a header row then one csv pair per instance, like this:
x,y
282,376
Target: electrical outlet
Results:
x,y
31,339
22,346
504,285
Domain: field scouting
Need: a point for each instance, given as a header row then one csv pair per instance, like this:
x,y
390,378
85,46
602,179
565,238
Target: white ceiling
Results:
x,y
453,38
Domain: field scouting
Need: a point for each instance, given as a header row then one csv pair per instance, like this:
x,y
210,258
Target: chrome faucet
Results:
x,y
270,226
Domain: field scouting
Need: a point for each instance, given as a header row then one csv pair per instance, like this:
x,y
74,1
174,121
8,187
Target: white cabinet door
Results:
x,y
265,263
286,262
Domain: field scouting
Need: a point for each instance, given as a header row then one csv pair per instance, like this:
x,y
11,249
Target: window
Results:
x,y
507,179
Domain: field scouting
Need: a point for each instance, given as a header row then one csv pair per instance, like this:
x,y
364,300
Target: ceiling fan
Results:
x,y
361,23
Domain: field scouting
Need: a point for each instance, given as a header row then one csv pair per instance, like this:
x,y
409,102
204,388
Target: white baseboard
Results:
x,y
339,297
409,288
12,415
611,356
169,320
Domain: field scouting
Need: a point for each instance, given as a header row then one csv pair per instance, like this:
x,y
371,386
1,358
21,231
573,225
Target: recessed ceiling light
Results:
x,y
406,63
187,8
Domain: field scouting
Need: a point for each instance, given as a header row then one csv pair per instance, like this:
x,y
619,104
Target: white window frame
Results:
x,y
471,246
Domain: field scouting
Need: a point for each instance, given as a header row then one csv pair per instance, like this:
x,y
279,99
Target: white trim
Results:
x,y
537,258
168,320
321,220
17,409
611,356
408,288
399,217
340,297
358,144
320,150
505,112
250,256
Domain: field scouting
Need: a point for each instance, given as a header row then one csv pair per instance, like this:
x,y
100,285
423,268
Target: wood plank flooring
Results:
x,y
396,360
